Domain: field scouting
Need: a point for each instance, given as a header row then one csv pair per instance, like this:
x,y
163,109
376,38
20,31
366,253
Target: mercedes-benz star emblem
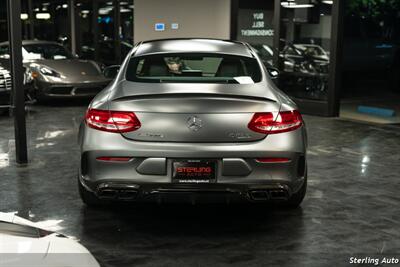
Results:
x,y
194,123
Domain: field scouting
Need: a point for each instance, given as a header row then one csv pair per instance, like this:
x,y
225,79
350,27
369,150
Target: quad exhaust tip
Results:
x,y
130,192
269,194
117,194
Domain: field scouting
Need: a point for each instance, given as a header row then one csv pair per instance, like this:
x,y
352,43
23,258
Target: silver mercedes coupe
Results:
x,y
192,120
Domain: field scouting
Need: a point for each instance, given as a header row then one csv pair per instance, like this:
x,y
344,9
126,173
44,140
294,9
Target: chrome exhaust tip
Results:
x,y
259,195
278,194
117,191
107,193
127,194
272,194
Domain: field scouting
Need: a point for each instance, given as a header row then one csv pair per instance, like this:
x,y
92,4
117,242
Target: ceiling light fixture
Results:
x,y
24,16
294,5
44,16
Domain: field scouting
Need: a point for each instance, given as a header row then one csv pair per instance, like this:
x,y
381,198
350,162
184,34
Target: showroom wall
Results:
x,y
190,18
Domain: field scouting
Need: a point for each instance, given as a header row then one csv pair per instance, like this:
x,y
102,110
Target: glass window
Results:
x,y
255,26
193,67
304,49
47,51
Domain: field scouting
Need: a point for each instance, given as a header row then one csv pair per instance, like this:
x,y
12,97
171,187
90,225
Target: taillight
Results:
x,y
112,121
285,121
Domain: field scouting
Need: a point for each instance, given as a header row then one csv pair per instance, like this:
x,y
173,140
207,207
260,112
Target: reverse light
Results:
x,y
112,121
266,123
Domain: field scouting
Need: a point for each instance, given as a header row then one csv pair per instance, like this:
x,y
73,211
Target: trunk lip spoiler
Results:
x,y
191,95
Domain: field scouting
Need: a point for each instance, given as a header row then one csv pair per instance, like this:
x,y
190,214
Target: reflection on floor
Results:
x,y
351,206
349,109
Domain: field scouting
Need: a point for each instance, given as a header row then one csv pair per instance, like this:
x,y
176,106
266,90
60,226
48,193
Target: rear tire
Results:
x,y
88,198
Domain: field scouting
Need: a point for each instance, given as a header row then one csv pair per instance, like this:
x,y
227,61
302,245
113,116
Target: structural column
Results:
x,y
95,28
117,31
71,17
277,32
31,20
234,18
18,96
336,54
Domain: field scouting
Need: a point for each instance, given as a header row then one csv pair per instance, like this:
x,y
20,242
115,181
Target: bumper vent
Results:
x,y
301,166
84,164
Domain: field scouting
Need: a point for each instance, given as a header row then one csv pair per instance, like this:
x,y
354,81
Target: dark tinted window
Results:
x,y
194,68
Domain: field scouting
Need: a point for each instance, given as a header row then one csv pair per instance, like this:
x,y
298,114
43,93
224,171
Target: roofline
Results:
x,y
245,44
190,38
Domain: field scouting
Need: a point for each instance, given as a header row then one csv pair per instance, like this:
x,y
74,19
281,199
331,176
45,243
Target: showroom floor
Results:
x,y
352,205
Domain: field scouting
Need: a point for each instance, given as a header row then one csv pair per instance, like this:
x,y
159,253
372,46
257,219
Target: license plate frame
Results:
x,y
194,171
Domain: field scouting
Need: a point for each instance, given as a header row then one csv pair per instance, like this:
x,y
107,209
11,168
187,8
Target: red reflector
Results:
x,y
267,123
273,160
114,158
112,121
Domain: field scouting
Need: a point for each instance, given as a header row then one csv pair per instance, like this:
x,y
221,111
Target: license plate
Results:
x,y
194,171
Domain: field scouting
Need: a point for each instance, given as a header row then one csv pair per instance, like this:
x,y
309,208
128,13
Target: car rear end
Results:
x,y
208,138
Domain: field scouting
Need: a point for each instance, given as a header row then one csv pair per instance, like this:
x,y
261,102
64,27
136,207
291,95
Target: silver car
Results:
x,y
195,120
56,72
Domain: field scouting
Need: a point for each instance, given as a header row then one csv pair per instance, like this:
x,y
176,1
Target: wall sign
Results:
x,y
255,26
159,27
174,26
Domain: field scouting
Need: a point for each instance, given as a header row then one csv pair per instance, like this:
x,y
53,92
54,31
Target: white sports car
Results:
x,y
24,244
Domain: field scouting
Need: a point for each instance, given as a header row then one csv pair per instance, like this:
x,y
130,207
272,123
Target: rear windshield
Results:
x,y
193,68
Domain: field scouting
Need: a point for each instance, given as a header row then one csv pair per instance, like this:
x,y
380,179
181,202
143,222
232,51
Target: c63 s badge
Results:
x,y
238,135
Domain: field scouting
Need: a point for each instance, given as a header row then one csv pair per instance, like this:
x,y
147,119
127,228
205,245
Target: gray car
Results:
x,y
192,119
56,72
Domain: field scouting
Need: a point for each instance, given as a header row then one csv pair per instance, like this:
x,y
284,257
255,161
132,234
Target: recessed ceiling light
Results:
x,y
43,16
294,5
24,16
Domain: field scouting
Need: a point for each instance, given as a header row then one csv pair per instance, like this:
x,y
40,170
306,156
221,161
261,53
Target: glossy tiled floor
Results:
x,y
352,205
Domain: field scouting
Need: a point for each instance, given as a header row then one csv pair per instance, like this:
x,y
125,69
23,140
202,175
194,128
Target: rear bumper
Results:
x,y
161,192
149,172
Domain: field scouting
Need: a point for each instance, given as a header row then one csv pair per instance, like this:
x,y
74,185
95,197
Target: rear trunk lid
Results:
x,y
193,112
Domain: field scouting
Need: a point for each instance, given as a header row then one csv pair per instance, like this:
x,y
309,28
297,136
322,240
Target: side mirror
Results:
x,y
111,71
273,72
